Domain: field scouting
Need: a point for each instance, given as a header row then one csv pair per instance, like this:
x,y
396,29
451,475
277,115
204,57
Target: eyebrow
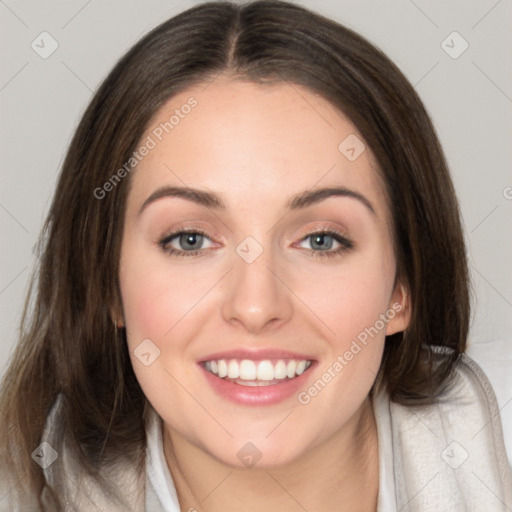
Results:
x,y
214,201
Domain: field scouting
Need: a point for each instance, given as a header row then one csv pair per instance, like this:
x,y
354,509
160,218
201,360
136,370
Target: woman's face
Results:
x,y
251,282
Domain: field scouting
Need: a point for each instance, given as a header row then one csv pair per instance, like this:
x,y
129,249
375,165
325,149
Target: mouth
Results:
x,y
257,373
257,382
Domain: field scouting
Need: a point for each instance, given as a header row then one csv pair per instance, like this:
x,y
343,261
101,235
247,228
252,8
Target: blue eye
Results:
x,y
191,241
186,238
318,240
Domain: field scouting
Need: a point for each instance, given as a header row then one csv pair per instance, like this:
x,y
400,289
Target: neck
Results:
x,y
342,473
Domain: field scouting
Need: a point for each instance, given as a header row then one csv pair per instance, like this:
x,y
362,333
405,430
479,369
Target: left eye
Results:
x,y
323,240
318,241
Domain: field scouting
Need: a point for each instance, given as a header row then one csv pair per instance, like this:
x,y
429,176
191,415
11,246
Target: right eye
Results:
x,y
185,238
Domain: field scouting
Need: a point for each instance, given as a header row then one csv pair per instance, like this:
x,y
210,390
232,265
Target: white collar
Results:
x,y
157,471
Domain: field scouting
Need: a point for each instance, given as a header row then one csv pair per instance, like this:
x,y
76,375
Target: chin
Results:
x,y
257,453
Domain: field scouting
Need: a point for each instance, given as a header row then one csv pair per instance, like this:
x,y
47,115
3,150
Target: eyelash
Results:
x,y
345,244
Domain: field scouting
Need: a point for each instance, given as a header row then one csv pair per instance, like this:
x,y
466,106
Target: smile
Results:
x,y
257,373
262,382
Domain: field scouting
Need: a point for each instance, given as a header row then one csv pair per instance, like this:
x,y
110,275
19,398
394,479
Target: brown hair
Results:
x,y
69,344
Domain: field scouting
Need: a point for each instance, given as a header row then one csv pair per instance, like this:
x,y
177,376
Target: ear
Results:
x,y
400,304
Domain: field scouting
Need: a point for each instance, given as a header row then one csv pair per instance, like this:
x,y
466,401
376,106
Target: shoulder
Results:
x,y
112,488
495,359
13,497
453,447
467,410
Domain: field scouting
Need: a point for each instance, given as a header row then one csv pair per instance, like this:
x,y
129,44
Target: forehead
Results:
x,y
250,141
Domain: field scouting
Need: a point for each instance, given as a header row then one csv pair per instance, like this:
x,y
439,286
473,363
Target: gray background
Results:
x,y
469,99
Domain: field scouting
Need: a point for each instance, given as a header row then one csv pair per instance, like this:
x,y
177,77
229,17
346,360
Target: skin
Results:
x,y
257,146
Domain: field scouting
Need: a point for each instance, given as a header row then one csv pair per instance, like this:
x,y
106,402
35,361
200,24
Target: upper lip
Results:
x,y
256,355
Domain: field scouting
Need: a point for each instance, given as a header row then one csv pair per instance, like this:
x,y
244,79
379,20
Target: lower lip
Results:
x,y
257,395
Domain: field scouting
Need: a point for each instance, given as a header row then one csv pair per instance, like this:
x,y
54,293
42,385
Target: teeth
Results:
x,y
223,368
290,369
265,371
254,383
233,370
257,372
247,370
280,370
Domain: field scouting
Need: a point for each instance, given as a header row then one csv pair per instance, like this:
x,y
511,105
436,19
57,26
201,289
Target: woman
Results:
x,y
308,352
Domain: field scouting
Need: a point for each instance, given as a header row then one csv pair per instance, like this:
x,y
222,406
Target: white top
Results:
x,y
157,471
495,359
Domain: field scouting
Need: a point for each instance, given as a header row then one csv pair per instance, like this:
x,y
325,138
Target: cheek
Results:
x,y
155,306
354,303
157,296
145,308
350,297
351,306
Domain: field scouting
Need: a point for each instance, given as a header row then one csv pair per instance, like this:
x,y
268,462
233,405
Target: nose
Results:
x,y
256,296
